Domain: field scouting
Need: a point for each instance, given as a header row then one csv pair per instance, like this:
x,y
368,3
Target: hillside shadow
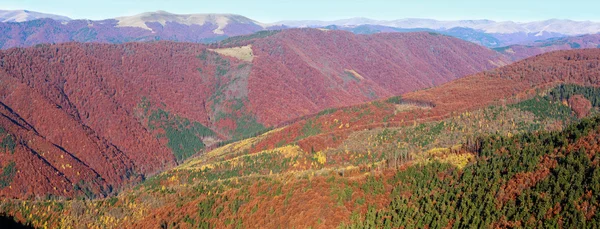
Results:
x,y
8,222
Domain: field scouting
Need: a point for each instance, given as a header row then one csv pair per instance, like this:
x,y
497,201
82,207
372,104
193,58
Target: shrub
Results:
x,y
310,128
394,100
8,143
8,172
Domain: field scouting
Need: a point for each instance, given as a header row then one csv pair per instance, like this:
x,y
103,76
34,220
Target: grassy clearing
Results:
x,y
242,53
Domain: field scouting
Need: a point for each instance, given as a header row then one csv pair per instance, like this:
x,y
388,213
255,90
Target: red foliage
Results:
x,y
504,85
580,105
81,99
301,71
522,181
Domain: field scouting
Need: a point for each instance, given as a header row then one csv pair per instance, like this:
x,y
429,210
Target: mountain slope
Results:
x,y
519,52
500,139
103,116
26,15
320,69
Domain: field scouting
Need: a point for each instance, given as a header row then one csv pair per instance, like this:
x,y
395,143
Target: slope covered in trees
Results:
x,y
323,69
491,149
519,52
93,117
541,180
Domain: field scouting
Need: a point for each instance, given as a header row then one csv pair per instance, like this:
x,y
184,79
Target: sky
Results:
x,y
271,11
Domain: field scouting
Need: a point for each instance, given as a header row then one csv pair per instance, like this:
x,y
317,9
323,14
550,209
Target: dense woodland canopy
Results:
x,y
89,119
533,180
511,147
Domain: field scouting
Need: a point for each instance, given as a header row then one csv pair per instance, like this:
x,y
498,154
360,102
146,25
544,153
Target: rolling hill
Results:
x,y
89,119
494,149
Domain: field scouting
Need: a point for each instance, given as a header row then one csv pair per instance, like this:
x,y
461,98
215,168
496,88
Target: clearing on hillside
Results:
x,y
243,53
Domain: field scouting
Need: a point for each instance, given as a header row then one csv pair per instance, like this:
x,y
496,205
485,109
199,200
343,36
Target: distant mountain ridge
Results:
x,y
519,52
25,28
488,33
566,27
153,26
26,15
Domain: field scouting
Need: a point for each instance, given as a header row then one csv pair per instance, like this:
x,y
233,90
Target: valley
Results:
x,y
97,117
244,114
364,165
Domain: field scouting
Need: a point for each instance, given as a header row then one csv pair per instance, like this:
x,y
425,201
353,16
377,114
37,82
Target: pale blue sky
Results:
x,y
271,11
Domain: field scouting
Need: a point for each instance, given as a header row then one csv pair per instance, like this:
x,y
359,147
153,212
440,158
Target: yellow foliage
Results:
x,y
289,150
320,157
458,160
223,151
443,155
436,151
173,178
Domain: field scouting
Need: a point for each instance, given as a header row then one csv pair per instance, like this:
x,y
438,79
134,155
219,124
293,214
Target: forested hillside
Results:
x,y
519,52
91,119
512,147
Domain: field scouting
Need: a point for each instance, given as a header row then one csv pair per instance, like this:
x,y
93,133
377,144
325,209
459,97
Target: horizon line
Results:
x,y
318,20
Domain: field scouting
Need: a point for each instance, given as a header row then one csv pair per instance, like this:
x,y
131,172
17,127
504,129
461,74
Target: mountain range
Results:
x,y
208,28
565,27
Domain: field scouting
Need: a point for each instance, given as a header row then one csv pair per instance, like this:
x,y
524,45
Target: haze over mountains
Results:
x,y
565,27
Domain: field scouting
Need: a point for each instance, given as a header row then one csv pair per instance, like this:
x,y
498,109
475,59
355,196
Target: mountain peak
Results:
x,y
162,17
26,15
